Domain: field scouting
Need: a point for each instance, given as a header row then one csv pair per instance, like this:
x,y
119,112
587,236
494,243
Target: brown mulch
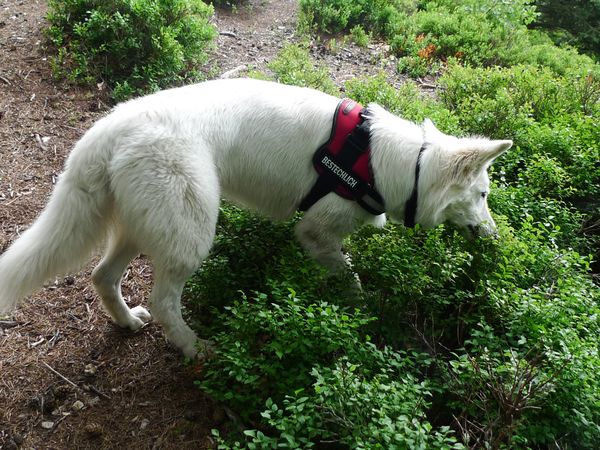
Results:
x,y
69,379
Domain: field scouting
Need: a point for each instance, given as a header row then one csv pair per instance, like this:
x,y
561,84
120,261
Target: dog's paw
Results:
x,y
141,313
137,319
206,349
200,350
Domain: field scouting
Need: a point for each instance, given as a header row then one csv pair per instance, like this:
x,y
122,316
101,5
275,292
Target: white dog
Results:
x,y
148,178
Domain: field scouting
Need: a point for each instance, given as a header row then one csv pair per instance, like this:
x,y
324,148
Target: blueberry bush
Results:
x,y
451,344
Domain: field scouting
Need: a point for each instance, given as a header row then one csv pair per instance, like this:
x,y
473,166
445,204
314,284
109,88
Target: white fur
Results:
x,y
148,179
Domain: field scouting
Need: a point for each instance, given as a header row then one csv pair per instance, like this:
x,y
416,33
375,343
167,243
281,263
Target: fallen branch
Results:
x,y
234,72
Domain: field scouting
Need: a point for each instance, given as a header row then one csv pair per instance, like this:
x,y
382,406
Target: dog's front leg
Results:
x,y
323,240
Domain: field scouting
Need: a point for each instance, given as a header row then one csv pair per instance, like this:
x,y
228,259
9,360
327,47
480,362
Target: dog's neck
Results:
x,y
398,159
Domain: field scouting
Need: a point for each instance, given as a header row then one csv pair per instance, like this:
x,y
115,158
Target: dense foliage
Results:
x,y
576,22
426,34
452,344
135,46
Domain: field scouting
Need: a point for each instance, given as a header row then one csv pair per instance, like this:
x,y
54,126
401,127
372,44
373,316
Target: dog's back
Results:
x,y
256,134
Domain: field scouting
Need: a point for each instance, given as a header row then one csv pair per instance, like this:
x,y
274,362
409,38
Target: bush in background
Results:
x,y
576,22
136,46
293,65
425,35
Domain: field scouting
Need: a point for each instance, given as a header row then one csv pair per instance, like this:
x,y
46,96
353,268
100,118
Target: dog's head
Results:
x,y
457,182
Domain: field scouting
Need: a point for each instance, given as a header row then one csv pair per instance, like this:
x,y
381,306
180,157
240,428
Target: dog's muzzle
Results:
x,y
482,231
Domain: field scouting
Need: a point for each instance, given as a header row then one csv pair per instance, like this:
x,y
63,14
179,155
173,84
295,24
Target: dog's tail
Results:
x,y
62,238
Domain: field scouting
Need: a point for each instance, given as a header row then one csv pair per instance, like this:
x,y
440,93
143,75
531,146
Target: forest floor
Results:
x,y
69,379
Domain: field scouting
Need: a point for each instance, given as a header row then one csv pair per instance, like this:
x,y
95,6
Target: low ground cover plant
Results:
x,y
451,344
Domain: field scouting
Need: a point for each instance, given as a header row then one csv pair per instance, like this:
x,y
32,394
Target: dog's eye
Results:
x,y
483,194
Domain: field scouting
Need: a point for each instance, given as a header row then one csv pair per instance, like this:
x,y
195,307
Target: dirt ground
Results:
x,y
69,379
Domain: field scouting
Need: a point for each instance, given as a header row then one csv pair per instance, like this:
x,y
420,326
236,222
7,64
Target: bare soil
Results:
x,y
69,379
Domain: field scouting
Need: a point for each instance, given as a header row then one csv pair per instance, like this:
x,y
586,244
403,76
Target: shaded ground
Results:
x,y
68,377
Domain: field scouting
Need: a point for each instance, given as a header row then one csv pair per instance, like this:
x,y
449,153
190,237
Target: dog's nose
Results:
x,y
483,231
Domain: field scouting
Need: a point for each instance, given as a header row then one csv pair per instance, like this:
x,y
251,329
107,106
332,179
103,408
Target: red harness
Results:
x,y
343,162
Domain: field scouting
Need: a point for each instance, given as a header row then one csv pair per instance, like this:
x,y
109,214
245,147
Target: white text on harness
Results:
x,y
339,172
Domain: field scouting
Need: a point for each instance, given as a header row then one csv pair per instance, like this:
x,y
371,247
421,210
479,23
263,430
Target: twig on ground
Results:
x,y
5,324
228,34
95,390
234,72
60,375
36,343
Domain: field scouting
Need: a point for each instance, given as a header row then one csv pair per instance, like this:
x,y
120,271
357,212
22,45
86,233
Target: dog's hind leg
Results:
x,y
167,201
175,259
107,278
165,304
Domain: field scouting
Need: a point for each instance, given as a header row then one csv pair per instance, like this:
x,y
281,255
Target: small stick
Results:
x,y
234,72
60,375
5,324
36,343
228,34
98,391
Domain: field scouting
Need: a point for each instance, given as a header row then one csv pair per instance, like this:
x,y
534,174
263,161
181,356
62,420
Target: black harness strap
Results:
x,y
410,209
322,187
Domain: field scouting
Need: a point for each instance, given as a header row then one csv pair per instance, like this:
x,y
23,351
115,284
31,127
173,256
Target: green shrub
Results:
x,y
354,408
334,385
552,119
333,16
268,349
503,320
407,101
438,34
294,65
536,92
512,320
359,36
135,46
425,35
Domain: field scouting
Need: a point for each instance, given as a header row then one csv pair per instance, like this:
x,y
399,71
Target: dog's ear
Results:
x,y
468,162
492,149
431,131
